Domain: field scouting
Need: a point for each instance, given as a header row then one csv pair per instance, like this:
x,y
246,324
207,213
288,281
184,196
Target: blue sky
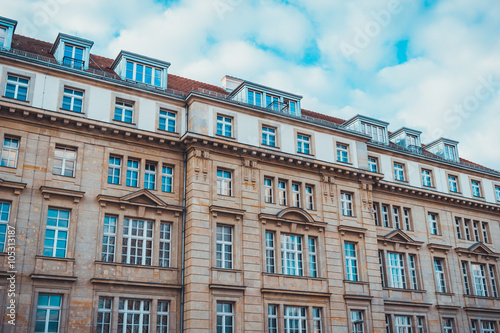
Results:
x,y
431,65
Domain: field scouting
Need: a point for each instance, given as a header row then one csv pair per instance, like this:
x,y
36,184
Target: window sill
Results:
x,y
168,132
8,167
225,137
17,100
270,147
120,122
344,163
407,290
133,265
226,269
401,181
64,177
455,193
306,154
357,282
54,258
445,294
429,187
72,111
295,276
482,297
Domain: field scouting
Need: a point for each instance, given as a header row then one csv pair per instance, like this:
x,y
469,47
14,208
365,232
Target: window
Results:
x,y
317,325
254,98
167,175
104,310
420,325
167,121
270,254
479,279
372,164
295,195
467,229
162,316
342,153
295,319
268,190
493,281
385,216
56,233
272,102
447,325
309,197
291,255
225,317
73,56
399,172
403,324
10,151
351,261
133,315
132,173
357,321
114,170
433,223
137,242
407,218
164,257
268,136
476,188
497,192
272,318
109,239
396,270
4,222
395,217
411,140
439,274
224,247
124,111
377,133
376,216
313,257
292,107
143,73
427,178
3,34
17,87
224,183
401,270
303,144
488,326
458,226
64,162
224,126
48,313
486,233
450,153
72,100
475,227
453,183
346,203
150,176
282,192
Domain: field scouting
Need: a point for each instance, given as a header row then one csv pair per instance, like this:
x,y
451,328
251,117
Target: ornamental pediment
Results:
x,y
143,198
399,236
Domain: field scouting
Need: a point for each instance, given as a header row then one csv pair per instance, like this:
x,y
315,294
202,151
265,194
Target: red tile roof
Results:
x,y
321,116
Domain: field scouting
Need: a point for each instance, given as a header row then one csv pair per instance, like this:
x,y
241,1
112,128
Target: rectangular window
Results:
x,y
268,136
64,162
497,192
303,144
313,257
440,277
486,232
476,188
474,326
124,111
465,276
132,173
385,216
167,121
395,217
396,270
48,313
268,190
427,178
282,193
167,175
309,197
346,203
4,222
381,266
475,227
73,56
17,87
372,164
133,315
162,317
114,170
433,223
407,218
270,253
109,239
377,133
224,247
292,107
317,325
467,229
479,278
458,227
104,310
399,172
357,321
56,233
10,150
295,195
291,255
137,242
351,261
72,100
272,102
143,73
165,237
342,153
376,214
225,317
450,153
3,34
493,281
412,270
254,98
150,176
420,324
225,126
403,324
272,317
295,319
224,183
488,326
453,184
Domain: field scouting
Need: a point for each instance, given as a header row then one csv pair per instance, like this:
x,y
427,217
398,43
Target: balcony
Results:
x,y
73,62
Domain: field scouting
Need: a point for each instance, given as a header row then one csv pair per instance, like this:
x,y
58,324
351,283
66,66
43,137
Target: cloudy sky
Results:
x,y
431,65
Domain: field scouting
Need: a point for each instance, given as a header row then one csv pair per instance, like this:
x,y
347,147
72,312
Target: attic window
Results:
x,y
376,132
411,140
450,152
3,34
73,56
143,73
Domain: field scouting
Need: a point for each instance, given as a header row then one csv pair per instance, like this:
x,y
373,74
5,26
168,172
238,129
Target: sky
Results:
x,y
430,65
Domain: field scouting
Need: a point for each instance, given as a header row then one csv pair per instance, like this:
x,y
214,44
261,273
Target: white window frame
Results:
x,y
167,121
296,195
268,136
497,192
124,111
224,124
270,252
143,235
448,325
407,218
109,238
372,164
282,192
342,153
476,188
165,248
10,152
60,228
458,227
167,179
104,314
396,218
377,133
292,255
222,315
162,316
224,182
150,175
432,219
313,256
114,170
479,279
133,73
403,324
49,309
399,171
4,223
303,144
15,86
450,152
396,268
71,97
132,172
295,319
72,57
317,322
386,222
357,321
224,247
426,178
376,215
493,280
351,261
309,197
142,315
440,276
252,97
65,161
453,184
268,190
346,204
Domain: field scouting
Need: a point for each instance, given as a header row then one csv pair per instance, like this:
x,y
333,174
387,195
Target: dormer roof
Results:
x,y
72,40
366,119
139,58
8,26
404,130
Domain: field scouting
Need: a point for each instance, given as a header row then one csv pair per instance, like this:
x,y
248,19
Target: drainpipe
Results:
x,y
183,246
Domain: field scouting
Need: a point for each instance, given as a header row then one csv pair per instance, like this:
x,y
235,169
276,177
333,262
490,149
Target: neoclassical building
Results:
x,y
135,200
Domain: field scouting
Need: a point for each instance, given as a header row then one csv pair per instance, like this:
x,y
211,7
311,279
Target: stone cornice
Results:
x,y
48,191
404,303
16,186
226,210
354,230
439,247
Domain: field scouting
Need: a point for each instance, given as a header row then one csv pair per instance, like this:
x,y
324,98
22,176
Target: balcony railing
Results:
x,y
73,62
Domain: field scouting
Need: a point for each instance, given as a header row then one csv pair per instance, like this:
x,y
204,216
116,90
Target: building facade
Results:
x,y
132,199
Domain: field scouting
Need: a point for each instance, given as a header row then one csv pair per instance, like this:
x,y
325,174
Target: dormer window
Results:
x,y
411,140
143,73
292,107
73,56
449,152
254,97
444,148
272,102
71,51
138,68
7,27
3,34
376,132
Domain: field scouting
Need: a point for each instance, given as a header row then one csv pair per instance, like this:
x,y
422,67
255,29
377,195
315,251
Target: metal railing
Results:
x,y
73,62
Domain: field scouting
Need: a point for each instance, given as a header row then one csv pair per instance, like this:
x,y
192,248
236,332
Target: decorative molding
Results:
x,y
405,303
48,191
238,213
16,186
293,292
343,229
478,309
439,247
226,286
358,297
399,238
479,250
51,277
135,283
142,198
307,221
